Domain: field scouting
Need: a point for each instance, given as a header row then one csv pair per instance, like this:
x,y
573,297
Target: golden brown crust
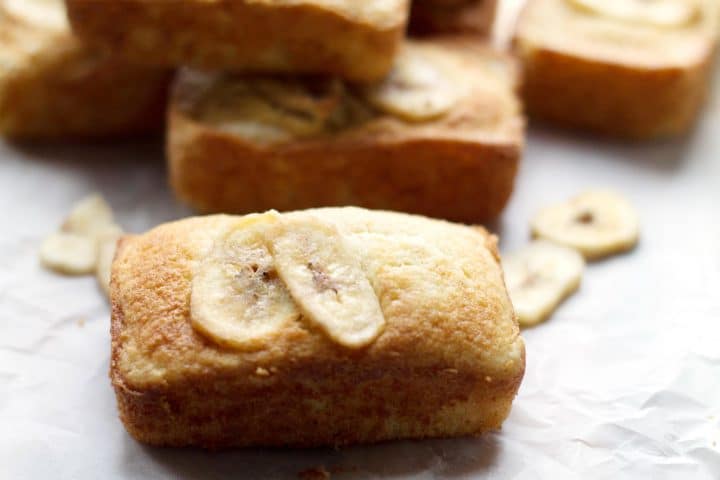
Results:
x,y
420,408
53,87
616,100
448,363
589,79
430,17
268,36
461,166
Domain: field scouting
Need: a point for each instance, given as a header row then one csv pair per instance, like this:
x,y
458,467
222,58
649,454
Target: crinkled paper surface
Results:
x,y
622,383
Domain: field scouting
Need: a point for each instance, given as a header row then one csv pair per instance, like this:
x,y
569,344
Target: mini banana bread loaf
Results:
x,y
51,86
352,39
632,69
452,16
322,327
441,136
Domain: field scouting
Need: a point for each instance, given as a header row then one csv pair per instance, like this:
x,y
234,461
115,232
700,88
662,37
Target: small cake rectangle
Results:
x,y
629,69
352,39
323,327
452,16
52,86
441,136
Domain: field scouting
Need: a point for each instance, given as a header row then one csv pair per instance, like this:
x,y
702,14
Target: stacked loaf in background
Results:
x,y
354,40
54,86
298,104
629,69
441,136
638,69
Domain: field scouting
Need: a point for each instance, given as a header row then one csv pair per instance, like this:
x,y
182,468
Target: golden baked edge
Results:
x,y
385,409
284,398
617,100
461,180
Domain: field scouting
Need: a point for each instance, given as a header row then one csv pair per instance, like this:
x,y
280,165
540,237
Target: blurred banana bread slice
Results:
x,y
324,327
349,38
452,16
51,86
441,136
631,68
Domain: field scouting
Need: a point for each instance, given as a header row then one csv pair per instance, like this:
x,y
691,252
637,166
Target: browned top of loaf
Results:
x,y
488,111
440,288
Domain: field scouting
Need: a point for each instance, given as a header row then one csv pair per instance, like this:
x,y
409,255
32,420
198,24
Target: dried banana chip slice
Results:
x,y
69,253
237,297
422,86
78,248
539,277
91,216
326,280
597,223
659,13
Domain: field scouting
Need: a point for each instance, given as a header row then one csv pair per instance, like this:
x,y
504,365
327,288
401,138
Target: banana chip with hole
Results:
x,y
597,223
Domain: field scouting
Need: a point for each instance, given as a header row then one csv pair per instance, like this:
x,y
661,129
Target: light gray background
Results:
x,y
623,382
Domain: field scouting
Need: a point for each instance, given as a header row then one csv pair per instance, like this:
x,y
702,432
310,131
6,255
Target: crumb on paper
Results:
x,y
315,473
81,322
85,243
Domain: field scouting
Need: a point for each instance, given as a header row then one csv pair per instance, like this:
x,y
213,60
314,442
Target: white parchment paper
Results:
x,y
622,383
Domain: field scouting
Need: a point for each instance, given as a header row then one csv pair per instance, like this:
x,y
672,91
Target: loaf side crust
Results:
x,y
444,178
